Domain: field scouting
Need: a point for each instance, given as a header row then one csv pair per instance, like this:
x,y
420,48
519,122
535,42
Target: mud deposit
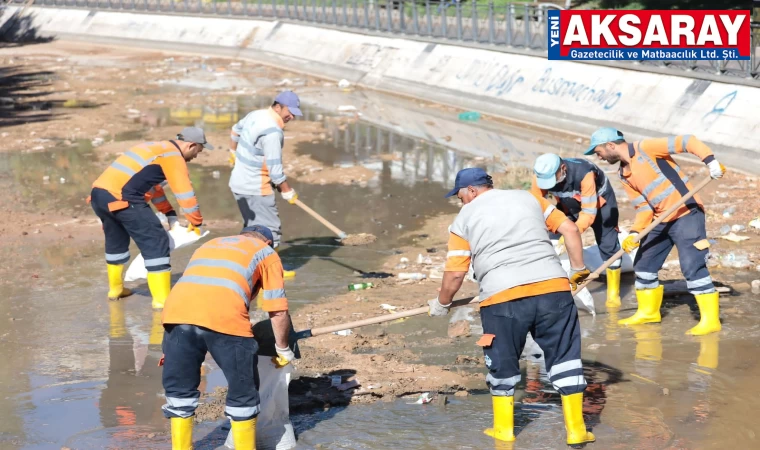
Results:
x,y
79,372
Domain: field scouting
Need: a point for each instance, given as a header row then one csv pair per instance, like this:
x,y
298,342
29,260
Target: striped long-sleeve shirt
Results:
x,y
258,160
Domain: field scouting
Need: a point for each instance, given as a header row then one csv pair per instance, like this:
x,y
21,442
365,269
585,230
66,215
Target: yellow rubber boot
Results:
x,y
286,274
648,311
244,434
572,408
503,419
613,288
648,342
156,329
709,314
182,433
118,324
159,284
708,351
116,289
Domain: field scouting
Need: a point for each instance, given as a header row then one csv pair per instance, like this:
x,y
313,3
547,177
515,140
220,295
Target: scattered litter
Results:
x,y
739,261
62,180
97,142
594,346
46,179
411,276
733,237
728,212
285,82
665,391
423,399
343,332
404,260
388,307
756,286
469,116
360,286
420,258
346,108
215,174
399,226
724,230
344,84
738,228
755,223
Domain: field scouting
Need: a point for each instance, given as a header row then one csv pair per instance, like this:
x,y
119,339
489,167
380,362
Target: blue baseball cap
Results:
x,y
545,168
473,176
290,99
262,230
603,136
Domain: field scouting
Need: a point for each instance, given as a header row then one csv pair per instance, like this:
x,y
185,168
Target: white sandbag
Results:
x,y
273,428
179,237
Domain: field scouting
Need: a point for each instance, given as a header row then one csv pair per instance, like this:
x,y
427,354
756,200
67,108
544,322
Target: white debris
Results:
x,y
346,108
344,84
388,307
343,332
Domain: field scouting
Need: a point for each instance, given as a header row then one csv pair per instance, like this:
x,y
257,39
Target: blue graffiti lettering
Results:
x,y
503,80
582,93
721,106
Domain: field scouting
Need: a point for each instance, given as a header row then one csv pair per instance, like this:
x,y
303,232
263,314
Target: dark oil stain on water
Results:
x,y
81,372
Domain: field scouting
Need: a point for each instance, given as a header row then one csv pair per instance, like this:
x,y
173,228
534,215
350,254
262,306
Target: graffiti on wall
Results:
x,y
718,109
491,77
557,86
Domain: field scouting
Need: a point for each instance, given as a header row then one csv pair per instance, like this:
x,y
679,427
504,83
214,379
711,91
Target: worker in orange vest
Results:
x,y
654,183
119,198
207,311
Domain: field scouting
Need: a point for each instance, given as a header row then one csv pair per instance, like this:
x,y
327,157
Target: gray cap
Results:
x,y
196,135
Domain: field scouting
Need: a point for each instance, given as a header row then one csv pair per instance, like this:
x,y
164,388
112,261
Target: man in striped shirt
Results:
x,y
523,288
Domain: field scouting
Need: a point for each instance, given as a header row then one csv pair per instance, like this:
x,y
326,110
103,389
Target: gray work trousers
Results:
x,y
260,210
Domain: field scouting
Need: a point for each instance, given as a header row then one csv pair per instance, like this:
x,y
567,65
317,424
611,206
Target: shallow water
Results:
x,y
82,373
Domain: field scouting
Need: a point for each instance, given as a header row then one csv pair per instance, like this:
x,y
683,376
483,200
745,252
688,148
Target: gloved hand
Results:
x,y
629,244
437,309
283,358
578,276
173,221
716,169
231,160
290,196
197,229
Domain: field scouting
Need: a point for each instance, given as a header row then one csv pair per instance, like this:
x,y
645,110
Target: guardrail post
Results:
x,y
459,20
345,13
428,18
366,14
475,33
389,9
415,18
402,15
491,24
274,8
444,20
355,15
508,19
526,23
376,3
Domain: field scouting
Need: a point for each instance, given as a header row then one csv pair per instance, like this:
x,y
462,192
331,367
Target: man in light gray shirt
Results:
x,y
256,148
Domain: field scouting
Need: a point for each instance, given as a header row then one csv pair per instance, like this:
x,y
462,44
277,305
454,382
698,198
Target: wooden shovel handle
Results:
x,y
321,219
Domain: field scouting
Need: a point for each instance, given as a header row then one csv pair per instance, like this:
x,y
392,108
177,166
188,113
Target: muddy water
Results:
x,y
82,373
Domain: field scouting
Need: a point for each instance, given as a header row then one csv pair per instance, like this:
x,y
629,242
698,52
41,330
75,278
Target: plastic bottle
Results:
x,y
728,212
411,276
724,230
360,286
469,116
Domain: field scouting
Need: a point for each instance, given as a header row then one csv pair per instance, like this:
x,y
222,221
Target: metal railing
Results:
x,y
495,26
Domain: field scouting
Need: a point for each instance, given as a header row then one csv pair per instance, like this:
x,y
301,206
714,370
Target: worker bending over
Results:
x,y
584,194
119,198
654,182
523,288
207,311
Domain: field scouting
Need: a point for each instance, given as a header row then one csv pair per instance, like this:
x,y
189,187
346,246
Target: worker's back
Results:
x,y
508,239
254,169
219,282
